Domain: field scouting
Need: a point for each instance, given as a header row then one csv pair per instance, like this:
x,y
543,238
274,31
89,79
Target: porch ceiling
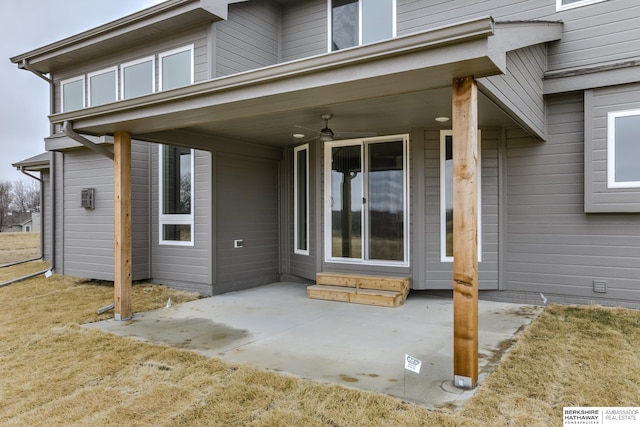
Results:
x,y
383,115
385,87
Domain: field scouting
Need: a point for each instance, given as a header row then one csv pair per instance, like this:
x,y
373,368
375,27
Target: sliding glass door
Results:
x,y
367,193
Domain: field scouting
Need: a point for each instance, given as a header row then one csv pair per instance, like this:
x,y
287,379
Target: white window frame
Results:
x,y
151,59
328,195
189,48
113,69
296,202
443,197
560,6
611,149
72,80
175,219
394,31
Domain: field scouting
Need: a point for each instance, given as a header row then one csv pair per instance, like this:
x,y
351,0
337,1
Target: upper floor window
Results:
x,y
356,22
623,149
138,77
176,68
128,80
570,4
103,86
72,93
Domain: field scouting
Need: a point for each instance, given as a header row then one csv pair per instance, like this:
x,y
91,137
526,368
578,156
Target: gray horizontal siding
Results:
x,y
187,266
304,29
439,274
140,210
552,246
247,199
598,103
88,233
520,90
601,32
249,39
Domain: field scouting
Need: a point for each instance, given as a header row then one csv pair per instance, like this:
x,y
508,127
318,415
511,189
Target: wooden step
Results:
x,y
399,284
358,289
356,296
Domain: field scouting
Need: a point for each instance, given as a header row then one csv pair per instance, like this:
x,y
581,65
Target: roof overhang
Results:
x,y
420,62
134,29
34,164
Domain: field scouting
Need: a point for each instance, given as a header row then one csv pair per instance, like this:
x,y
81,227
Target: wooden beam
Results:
x,y
122,225
465,232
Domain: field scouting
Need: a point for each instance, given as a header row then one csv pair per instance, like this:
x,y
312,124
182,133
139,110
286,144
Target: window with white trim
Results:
x,y
138,77
623,149
176,165
446,197
570,4
103,86
366,207
72,91
301,199
356,22
176,68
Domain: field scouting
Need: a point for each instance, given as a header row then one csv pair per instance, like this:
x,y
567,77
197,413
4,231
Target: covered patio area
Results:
x,y
276,327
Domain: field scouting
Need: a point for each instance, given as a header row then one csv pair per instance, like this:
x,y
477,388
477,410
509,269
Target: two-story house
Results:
x,y
277,139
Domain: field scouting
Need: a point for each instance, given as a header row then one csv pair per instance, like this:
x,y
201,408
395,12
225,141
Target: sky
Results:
x,y
24,98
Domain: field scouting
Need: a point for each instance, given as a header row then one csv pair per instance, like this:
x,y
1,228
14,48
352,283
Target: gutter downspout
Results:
x,y
68,129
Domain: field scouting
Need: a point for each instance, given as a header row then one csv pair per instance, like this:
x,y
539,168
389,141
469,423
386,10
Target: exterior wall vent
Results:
x,y
600,286
87,198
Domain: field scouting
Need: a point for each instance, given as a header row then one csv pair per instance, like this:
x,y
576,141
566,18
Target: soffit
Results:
x,y
35,163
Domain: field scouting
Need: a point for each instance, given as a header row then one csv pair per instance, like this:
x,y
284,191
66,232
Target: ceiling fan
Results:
x,y
326,134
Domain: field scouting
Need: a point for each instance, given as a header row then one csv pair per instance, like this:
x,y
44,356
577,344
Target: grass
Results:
x,y
63,374
18,247
58,373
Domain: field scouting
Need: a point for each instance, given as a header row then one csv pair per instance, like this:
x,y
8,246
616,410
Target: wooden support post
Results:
x,y
465,232
122,225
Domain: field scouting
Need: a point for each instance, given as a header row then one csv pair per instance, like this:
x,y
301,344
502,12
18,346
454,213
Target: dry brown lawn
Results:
x,y
18,247
57,373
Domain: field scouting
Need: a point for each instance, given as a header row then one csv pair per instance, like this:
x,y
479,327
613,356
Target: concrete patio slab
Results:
x,y
277,327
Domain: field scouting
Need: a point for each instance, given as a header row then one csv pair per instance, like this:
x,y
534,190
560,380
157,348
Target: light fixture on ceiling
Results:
x,y
298,135
442,119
